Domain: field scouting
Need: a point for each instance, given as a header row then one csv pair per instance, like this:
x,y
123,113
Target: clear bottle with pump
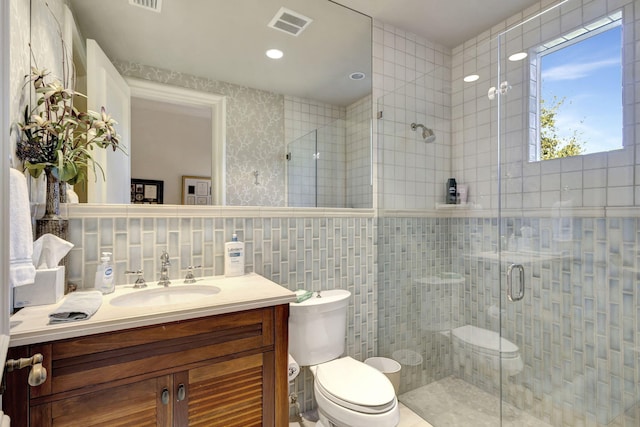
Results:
x,y
234,257
104,281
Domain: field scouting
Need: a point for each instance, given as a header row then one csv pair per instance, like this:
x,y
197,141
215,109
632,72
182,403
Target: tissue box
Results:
x,y
48,288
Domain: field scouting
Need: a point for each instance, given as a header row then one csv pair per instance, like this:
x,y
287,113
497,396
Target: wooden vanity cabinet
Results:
x,y
225,370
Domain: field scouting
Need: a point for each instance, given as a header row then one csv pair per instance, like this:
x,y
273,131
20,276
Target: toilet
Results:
x,y
485,348
348,392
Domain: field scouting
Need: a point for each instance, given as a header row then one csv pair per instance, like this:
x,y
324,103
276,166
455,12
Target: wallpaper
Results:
x,y
19,64
255,134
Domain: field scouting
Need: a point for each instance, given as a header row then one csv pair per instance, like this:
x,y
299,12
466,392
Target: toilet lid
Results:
x,y
354,385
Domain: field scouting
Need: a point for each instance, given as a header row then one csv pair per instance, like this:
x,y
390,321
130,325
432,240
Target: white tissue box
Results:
x,y
48,288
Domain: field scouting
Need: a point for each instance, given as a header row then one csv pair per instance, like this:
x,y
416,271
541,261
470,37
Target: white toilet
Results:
x,y
486,349
348,392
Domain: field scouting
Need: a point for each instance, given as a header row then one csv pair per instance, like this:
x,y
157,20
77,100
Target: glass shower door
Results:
x,y
302,171
567,233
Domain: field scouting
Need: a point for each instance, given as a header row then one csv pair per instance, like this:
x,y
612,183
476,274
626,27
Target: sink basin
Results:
x,y
165,296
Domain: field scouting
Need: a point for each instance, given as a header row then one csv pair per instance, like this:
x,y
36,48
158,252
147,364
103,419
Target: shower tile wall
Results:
x,y
412,75
414,304
305,115
359,194
315,253
576,327
344,145
601,179
302,118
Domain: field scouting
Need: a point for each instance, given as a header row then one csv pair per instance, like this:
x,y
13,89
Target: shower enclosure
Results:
x,y
330,166
521,307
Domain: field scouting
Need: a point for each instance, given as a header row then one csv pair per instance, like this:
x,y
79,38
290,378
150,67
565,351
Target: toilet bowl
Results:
x,y
349,393
487,348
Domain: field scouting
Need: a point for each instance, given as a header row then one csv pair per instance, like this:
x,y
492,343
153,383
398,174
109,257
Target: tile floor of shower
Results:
x,y
454,402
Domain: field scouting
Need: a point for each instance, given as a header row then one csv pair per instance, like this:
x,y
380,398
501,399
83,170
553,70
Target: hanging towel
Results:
x,y
77,306
21,268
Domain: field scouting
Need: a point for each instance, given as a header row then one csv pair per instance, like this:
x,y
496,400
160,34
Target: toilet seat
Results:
x,y
356,386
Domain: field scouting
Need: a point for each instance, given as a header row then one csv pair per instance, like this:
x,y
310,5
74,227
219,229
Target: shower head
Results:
x,y
427,134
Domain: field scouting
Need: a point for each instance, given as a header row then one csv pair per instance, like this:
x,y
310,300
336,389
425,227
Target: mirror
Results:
x,y
218,47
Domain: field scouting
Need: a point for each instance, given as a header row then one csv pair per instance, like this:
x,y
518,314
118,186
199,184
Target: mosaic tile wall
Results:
x,y
414,305
316,253
577,326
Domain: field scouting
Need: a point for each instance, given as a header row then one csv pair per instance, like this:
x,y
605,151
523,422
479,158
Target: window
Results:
x,y
579,99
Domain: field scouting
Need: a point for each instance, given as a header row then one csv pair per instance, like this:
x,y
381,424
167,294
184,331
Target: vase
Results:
x,y
51,222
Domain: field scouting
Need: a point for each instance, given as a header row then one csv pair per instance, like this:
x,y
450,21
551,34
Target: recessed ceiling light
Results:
x,y
518,56
275,53
471,78
358,75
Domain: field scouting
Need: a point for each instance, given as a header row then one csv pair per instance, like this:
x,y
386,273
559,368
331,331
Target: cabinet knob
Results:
x,y
182,392
165,396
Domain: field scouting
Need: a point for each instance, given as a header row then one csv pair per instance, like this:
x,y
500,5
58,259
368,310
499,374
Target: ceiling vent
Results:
x,y
290,22
154,5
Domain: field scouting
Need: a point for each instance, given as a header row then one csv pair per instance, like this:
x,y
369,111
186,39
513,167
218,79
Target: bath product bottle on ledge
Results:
x,y
104,275
234,257
452,191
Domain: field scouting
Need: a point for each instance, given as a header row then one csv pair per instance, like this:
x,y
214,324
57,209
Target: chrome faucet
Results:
x,y
164,270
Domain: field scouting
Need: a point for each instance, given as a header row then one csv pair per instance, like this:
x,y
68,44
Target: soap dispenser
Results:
x,y
104,281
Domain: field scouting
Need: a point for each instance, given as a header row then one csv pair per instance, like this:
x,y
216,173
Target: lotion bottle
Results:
x,y
234,257
104,281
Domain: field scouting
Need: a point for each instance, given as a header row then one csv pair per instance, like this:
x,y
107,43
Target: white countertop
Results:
x,y
30,325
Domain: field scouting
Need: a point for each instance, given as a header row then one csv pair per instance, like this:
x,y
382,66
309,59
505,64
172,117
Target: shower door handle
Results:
x,y
511,296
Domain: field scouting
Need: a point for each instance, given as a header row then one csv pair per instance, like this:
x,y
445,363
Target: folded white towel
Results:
x,y
77,306
21,268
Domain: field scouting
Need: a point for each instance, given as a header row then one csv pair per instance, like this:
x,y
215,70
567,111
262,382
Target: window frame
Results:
x,y
565,40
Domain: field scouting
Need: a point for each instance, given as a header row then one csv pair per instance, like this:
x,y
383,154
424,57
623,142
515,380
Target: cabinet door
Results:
x,y
139,404
231,393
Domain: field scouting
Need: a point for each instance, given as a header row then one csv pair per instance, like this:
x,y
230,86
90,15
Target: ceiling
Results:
x,y
225,40
448,22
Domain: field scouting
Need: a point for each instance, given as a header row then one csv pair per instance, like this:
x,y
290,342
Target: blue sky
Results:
x,y
589,75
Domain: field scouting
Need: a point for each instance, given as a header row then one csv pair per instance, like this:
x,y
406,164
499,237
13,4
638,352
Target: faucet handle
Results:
x,y
165,258
140,282
190,278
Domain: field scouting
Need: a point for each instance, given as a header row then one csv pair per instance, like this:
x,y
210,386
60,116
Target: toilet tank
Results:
x,y
317,327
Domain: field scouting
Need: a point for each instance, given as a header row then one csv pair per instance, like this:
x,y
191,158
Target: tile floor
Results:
x,y
454,402
408,418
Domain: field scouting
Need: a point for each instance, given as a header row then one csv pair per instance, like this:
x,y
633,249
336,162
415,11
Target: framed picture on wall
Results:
x,y
146,191
196,190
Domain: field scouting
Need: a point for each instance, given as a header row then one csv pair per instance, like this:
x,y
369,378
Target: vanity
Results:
x,y
210,360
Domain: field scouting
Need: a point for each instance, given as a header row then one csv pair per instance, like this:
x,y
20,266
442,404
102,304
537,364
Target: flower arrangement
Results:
x,y
57,138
